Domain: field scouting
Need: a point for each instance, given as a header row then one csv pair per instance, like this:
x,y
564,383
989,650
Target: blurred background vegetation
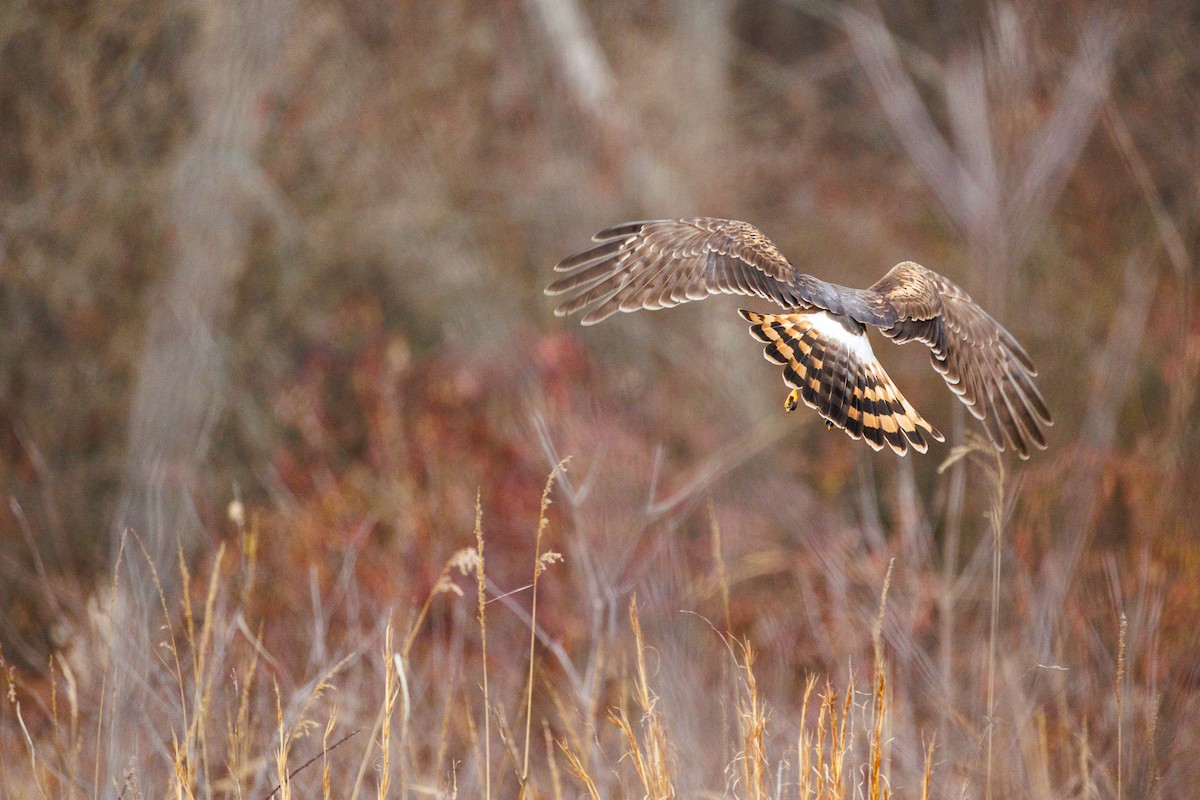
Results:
x,y
291,253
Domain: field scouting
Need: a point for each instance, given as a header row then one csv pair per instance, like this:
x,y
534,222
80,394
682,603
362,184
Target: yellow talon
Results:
x,y
792,401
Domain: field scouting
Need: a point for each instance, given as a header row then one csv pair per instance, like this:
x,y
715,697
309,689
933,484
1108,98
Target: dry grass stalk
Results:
x,y
1119,691
580,771
183,774
303,724
31,750
551,762
754,726
539,565
875,790
66,753
573,734
481,599
822,754
804,745
508,744
391,692
651,756
464,561
238,731
201,650
326,771
284,790
927,777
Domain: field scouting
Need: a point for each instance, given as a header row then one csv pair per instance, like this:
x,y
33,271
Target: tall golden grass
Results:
x,y
405,724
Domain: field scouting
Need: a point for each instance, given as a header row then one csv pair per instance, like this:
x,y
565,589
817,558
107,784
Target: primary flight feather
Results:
x,y
821,340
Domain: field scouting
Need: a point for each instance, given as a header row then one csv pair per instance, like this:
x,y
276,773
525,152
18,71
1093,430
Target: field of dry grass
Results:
x,y
877,675
308,494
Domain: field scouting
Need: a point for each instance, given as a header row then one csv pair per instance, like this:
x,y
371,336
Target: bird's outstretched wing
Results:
x,y
981,361
662,263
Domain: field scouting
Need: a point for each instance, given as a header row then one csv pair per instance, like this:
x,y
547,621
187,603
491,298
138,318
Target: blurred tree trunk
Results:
x,y
180,385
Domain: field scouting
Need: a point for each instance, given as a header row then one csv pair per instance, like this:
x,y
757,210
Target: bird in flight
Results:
x,y
820,340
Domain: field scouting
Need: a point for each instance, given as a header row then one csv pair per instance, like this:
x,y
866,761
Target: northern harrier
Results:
x,y
821,340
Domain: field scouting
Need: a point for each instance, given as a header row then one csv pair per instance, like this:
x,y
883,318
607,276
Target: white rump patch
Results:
x,y
857,343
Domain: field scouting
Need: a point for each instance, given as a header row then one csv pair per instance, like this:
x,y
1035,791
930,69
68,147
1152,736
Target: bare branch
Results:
x,y
876,50
970,123
1054,150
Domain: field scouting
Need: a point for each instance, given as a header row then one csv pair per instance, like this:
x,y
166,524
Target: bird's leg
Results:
x,y
792,401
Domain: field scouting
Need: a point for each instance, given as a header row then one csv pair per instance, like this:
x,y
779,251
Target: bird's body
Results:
x,y
821,339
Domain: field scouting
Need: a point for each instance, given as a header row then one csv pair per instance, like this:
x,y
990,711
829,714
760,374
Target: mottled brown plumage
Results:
x,y
822,341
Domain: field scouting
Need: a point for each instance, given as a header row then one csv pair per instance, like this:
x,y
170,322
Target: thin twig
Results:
x,y
324,751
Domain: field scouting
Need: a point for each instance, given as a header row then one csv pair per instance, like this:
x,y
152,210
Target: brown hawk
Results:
x,y
821,340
